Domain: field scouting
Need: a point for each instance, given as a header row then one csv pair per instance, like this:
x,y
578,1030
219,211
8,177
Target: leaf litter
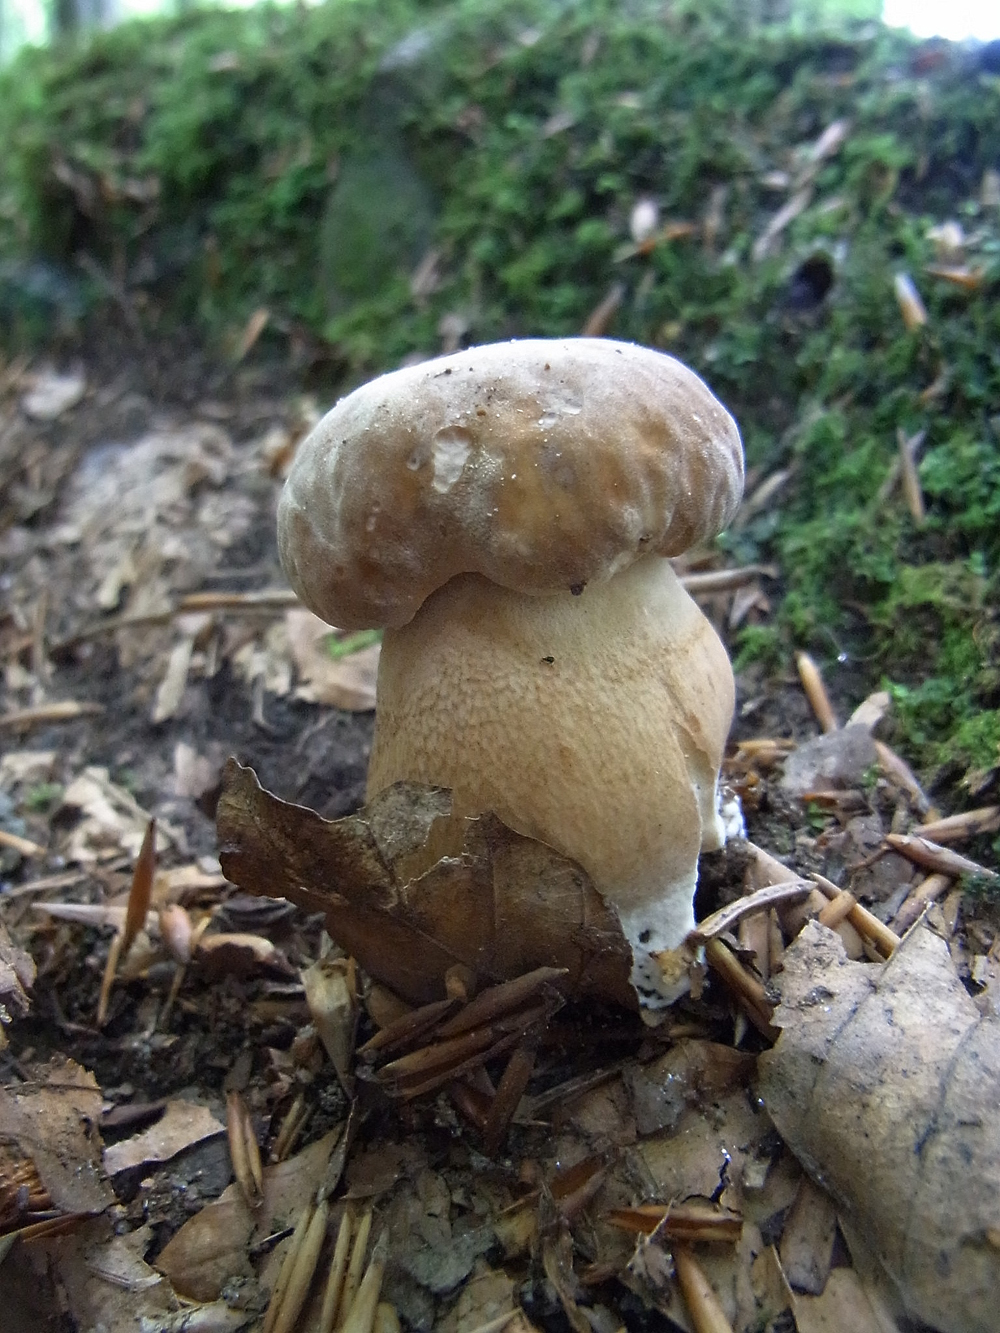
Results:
x,y
520,1150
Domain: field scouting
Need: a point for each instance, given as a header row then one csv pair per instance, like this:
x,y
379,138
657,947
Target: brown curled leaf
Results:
x,y
408,909
885,1084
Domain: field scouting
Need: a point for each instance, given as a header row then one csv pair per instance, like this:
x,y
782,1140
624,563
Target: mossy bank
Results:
x,y
385,179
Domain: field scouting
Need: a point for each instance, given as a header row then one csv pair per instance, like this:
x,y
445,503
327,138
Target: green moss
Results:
x,y
308,160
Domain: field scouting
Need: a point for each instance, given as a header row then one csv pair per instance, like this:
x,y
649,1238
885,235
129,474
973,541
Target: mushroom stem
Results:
x,y
593,722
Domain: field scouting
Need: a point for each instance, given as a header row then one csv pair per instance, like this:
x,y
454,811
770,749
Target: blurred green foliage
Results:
x,y
309,161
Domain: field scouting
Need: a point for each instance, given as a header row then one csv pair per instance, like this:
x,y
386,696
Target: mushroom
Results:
x,y
507,514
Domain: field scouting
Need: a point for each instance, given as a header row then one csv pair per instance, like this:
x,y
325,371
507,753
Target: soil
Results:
x,y
234,1024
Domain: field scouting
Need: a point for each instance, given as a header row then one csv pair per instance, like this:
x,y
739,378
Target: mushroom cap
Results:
x,y
543,465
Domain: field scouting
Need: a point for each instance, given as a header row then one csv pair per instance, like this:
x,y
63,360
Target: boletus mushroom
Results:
x,y
507,514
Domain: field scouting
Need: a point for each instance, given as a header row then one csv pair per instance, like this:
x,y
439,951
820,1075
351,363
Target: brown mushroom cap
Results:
x,y
543,465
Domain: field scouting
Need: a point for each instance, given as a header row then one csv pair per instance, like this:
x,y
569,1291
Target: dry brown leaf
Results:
x,y
174,683
181,1126
106,1283
806,1247
51,1122
885,1083
408,910
343,682
212,1247
17,973
844,1304
110,818
487,1296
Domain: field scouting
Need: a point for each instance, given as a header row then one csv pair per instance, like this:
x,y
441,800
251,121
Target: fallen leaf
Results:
x,y
344,681
212,1247
835,760
487,1296
807,1239
17,973
408,910
106,1282
844,1304
111,818
885,1083
51,1122
181,1125
52,394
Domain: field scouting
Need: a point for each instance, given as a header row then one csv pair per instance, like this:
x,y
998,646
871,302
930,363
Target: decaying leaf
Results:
x,y
182,1125
212,1247
408,907
17,973
885,1083
49,1140
106,1283
346,681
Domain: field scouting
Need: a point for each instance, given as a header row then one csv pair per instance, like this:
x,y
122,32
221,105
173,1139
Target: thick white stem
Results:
x,y
595,723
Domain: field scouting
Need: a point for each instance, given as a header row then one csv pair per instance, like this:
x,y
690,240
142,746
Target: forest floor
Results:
x,y
137,504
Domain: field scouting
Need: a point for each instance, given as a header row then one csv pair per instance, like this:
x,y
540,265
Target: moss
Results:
x,y
224,161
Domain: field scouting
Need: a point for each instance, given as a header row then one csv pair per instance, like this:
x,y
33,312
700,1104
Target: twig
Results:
x,y
760,900
725,580
911,307
244,1150
65,710
265,601
812,683
302,1259
968,824
509,1092
837,909
596,323
141,890
867,925
333,1291
918,899
707,1314
912,490
683,1222
24,846
361,1316
747,989
291,1126
928,854
355,1266
898,771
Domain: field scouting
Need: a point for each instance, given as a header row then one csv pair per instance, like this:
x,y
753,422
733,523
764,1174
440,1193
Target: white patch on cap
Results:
x,y
450,451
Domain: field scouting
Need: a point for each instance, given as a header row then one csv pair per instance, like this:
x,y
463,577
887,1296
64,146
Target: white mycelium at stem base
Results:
x,y
506,511
595,723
